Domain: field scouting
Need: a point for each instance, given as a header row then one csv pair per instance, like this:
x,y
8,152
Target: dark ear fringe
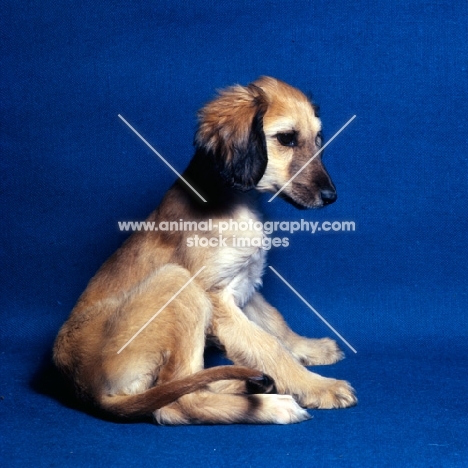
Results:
x,y
316,107
239,156
249,161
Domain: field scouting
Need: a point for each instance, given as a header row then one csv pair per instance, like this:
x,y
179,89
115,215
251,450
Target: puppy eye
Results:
x,y
319,140
287,139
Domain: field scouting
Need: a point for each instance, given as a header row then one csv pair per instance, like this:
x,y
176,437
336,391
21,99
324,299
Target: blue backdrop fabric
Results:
x,y
395,288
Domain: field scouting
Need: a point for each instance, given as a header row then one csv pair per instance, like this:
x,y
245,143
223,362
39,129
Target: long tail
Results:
x,y
142,404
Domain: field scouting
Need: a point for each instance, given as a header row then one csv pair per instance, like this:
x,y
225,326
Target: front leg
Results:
x,y
249,345
307,351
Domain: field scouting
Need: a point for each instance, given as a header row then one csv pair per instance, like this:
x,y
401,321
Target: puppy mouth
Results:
x,y
300,204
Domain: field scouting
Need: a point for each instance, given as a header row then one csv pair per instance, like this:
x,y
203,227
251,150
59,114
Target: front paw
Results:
x,y
328,394
311,352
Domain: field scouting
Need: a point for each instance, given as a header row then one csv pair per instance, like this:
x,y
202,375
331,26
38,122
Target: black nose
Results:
x,y
328,196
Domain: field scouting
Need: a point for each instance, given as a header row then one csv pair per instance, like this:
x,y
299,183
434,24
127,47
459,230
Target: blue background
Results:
x,y
396,288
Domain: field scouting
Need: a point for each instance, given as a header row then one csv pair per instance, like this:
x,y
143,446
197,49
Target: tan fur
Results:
x,y
161,372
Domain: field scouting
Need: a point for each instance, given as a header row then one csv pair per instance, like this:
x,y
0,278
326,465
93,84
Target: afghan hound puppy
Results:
x,y
249,139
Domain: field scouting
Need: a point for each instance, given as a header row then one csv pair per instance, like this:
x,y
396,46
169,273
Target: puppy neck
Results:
x,y
206,179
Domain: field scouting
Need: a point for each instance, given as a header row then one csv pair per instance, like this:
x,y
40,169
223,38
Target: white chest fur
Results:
x,y
237,263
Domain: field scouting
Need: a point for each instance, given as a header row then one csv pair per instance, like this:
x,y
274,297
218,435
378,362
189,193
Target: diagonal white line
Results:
x,y
312,158
159,155
160,310
312,309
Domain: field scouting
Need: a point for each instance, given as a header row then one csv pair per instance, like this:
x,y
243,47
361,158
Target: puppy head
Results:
x,y
261,135
292,132
230,131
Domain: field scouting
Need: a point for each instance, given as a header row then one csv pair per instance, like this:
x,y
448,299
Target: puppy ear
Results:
x,y
230,132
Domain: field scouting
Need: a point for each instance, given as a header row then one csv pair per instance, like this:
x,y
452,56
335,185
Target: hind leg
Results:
x,y
205,407
171,344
